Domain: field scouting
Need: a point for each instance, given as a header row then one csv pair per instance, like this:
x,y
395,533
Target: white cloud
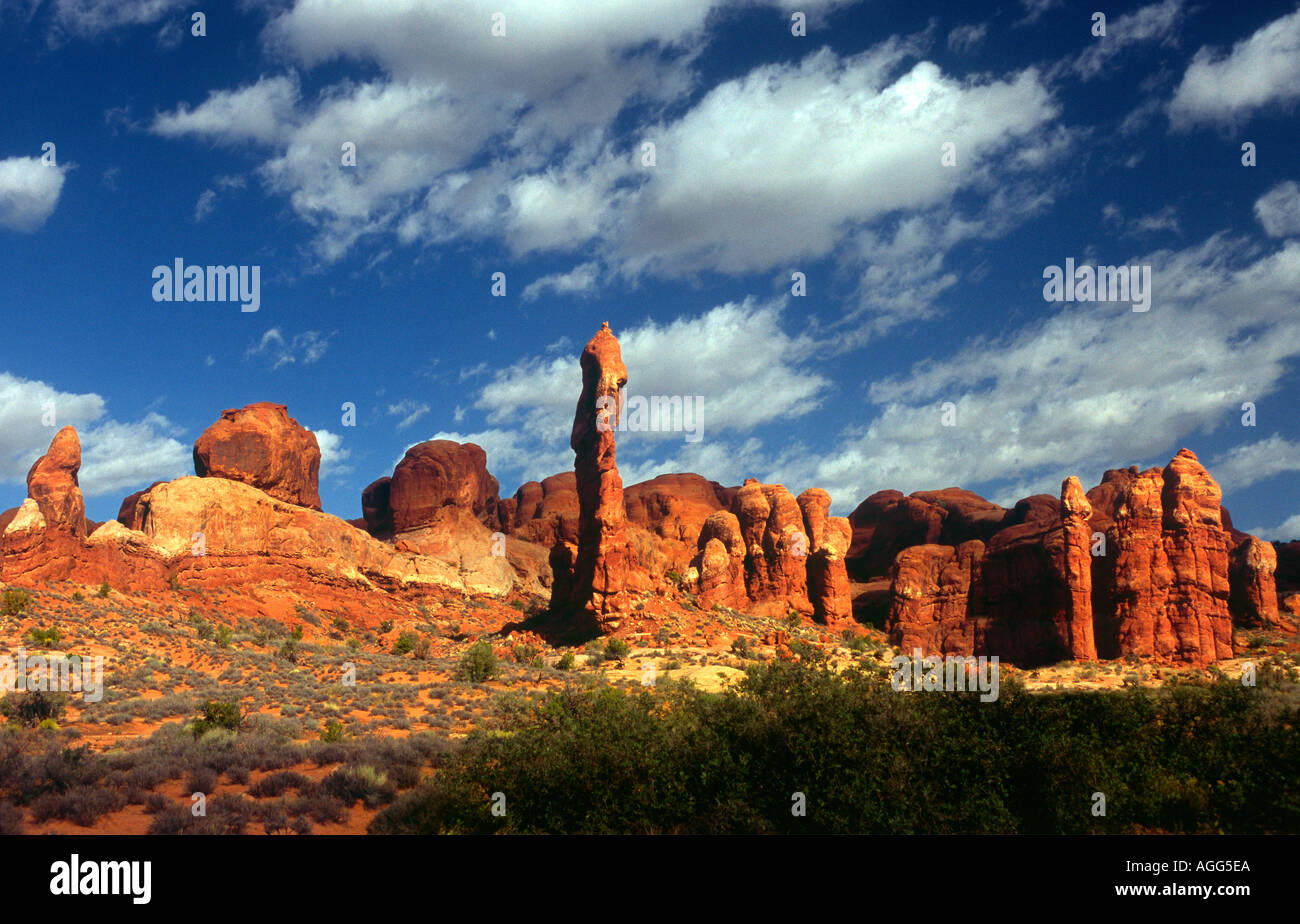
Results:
x,y
581,280
29,192
1077,393
1262,69
1157,22
89,18
1278,210
410,411
206,203
307,347
965,38
259,112
1286,531
117,456
1256,461
333,455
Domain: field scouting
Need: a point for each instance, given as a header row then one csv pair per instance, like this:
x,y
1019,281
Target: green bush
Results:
x,y
33,707
332,731
223,636
216,714
385,627
104,589
15,601
1194,758
616,649
566,661
45,637
289,651
479,663
405,643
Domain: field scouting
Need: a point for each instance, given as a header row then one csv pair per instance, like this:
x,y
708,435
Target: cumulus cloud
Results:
x,y
117,456
581,280
259,112
333,455
1223,88
29,192
1072,394
1256,461
1278,210
1286,531
728,193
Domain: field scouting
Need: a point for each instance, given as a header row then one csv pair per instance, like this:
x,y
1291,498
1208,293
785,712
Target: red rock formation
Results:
x,y
887,522
52,483
544,512
262,446
43,538
719,565
1164,590
776,546
604,563
377,507
932,598
1253,588
1077,570
829,537
675,506
126,512
441,473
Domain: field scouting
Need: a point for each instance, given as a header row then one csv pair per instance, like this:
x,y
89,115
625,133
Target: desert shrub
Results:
x,y
289,651
385,627
479,663
1193,758
616,649
11,819
81,805
566,661
405,643
740,647
358,784
105,589
276,783
331,731
201,779
46,637
223,636
14,601
31,708
217,715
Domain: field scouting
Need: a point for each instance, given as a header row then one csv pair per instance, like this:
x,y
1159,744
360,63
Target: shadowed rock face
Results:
x,y
262,446
437,474
604,563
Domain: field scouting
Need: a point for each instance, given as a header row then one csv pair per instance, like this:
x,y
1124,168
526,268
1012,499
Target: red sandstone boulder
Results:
x,y
441,473
377,507
931,598
262,446
126,512
829,538
545,512
719,565
776,546
675,506
1253,588
52,483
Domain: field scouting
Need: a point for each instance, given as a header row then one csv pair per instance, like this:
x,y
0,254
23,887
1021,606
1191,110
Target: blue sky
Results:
x,y
775,154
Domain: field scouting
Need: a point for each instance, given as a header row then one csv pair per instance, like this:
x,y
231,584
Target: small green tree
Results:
x,y
217,715
479,663
104,589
